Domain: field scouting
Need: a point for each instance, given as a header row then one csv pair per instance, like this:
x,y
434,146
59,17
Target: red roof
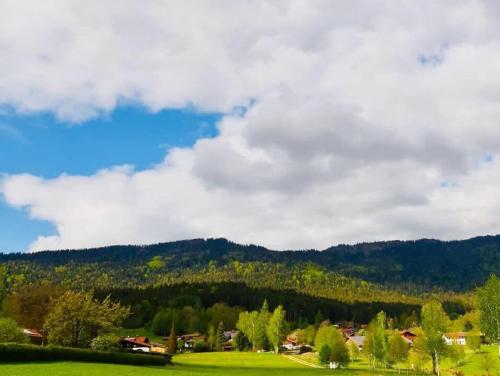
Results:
x,y
32,333
139,341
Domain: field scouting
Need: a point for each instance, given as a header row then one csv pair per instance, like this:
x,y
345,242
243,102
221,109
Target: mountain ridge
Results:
x,y
456,265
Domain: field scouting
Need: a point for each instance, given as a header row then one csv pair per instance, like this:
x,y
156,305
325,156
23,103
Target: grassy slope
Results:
x,y
246,364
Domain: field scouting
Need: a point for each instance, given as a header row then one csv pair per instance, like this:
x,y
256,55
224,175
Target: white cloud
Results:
x,y
362,112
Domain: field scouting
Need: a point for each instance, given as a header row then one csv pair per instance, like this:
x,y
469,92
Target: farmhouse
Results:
x,y
136,343
359,341
34,336
142,344
408,335
189,339
458,338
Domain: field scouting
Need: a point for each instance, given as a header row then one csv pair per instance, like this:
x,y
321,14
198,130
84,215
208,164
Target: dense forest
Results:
x,y
405,265
344,282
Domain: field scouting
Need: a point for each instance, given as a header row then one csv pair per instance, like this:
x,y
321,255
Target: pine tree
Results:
x,y
220,339
172,340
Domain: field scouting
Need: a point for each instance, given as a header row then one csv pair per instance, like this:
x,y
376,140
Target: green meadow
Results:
x,y
229,363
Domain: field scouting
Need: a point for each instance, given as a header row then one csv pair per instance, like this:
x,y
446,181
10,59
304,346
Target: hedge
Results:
x,y
12,352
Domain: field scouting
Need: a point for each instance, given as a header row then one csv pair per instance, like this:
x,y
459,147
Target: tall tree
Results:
x,y
211,338
488,299
76,318
434,324
276,328
220,340
368,349
398,349
378,345
172,340
250,324
339,353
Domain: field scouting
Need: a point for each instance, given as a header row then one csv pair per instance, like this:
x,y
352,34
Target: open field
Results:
x,y
235,363
185,365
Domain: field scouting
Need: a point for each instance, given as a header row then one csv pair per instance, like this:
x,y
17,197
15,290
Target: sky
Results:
x,y
289,124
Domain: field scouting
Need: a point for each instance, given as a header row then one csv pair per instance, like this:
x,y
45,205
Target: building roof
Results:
x,y
138,341
456,334
32,333
358,340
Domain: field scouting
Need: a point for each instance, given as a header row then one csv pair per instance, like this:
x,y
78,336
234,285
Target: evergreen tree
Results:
x,y
172,340
318,319
220,340
241,342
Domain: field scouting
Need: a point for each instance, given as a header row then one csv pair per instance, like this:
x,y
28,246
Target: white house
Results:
x,y
459,338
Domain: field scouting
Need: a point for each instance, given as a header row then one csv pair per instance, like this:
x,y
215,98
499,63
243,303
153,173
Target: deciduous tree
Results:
x,y
276,328
10,332
398,349
76,318
434,324
488,299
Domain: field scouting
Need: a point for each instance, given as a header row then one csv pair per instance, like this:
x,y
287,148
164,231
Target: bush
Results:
x,y
324,354
11,352
201,346
10,332
107,342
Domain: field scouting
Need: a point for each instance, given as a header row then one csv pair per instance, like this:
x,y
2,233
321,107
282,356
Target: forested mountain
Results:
x,y
346,281
421,264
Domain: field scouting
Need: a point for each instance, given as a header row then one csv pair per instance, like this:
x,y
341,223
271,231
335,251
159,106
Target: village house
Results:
x,y
410,336
189,340
136,343
35,337
290,344
358,341
458,338
142,344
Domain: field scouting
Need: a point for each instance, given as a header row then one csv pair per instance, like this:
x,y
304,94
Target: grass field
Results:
x,y
206,364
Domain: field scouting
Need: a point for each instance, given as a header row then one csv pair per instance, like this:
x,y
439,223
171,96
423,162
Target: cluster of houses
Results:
x,y
354,336
185,342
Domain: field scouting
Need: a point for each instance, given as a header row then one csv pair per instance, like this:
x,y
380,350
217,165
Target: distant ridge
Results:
x,y
457,265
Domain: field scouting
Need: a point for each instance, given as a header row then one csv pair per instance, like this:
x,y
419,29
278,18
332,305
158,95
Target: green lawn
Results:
x,y
206,364
246,364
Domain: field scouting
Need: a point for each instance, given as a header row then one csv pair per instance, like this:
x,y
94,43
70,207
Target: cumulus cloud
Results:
x,y
364,120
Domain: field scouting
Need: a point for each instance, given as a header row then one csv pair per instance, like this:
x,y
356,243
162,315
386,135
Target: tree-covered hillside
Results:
x,y
421,265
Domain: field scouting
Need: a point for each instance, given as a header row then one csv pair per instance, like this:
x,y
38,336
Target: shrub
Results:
x,y
324,354
10,332
201,346
11,352
106,342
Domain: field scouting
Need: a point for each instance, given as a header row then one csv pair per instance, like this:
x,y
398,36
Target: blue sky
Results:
x,y
41,145
362,122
